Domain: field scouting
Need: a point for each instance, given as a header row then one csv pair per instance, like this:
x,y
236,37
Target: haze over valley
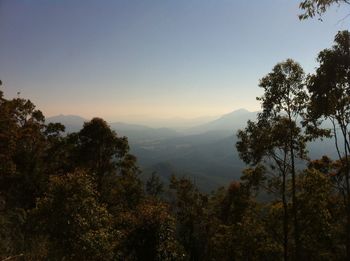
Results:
x,y
205,153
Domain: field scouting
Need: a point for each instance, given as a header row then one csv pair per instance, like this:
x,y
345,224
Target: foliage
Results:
x,y
312,8
70,216
154,186
276,140
329,91
153,236
317,220
188,206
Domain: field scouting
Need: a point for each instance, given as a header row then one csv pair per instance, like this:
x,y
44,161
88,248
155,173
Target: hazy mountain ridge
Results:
x,y
135,132
227,122
205,153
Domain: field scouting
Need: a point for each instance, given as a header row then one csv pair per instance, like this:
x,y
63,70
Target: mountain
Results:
x,y
208,155
205,153
135,132
228,122
223,126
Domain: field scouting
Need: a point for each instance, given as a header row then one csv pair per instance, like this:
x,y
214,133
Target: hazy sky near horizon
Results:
x,y
130,59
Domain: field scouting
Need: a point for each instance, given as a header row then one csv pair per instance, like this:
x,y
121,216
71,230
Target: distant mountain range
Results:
x,y
135,132
226,123
206,153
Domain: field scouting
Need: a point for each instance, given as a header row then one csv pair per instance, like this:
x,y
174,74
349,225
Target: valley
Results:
x,y
205,153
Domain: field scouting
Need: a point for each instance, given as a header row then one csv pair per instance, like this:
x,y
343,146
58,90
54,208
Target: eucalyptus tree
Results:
x,y
263,145
329,91
276,139
285,96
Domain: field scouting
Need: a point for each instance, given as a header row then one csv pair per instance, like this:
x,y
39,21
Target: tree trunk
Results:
x,y
294,198
347,207
295,210
285,219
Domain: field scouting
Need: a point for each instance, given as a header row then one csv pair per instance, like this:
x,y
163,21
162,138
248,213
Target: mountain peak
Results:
x,y
236,113
230,122
240,110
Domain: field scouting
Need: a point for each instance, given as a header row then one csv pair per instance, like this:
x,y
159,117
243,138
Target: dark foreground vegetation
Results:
x,y
79,196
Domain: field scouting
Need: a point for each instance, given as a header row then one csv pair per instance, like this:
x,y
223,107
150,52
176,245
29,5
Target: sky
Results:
x,y
132,60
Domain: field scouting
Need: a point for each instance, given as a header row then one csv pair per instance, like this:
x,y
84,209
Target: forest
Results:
x,y
80,196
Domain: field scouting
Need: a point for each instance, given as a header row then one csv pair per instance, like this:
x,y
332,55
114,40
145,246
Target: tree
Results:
x,y
79,215
153,234
276,140
73,221
319,220
25,141
285,94
330,99
238,226
100,149
154,186
23,145
189,210
263,146
312,8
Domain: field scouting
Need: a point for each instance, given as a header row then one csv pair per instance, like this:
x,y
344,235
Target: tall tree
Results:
x,y
330,99
276,137
285,94
263,146
23,145
24,162
100,150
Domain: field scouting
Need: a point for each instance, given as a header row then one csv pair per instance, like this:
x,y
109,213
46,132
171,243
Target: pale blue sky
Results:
x,y
122,59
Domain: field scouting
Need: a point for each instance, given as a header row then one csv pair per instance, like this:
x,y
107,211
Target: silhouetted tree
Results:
x,y
276,139
330,99
285,96
100,149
